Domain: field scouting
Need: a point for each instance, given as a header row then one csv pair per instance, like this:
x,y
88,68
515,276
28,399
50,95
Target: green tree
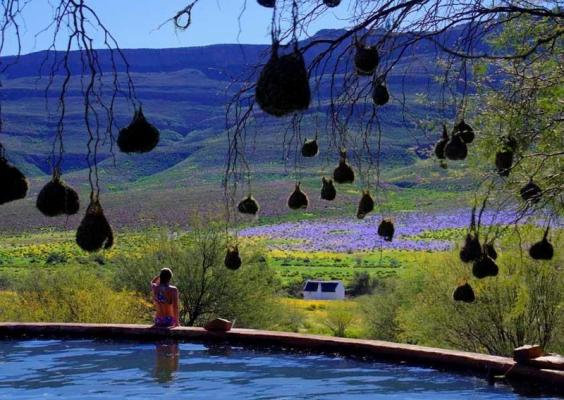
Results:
x,y
523,304
518,109
207,288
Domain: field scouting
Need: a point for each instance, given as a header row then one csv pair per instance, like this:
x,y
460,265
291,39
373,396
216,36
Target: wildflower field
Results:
x,y
324,248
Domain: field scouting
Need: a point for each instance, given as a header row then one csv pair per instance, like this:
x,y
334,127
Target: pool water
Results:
x,y
88,369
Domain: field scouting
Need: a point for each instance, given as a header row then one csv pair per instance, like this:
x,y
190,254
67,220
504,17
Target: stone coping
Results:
x,y
483,365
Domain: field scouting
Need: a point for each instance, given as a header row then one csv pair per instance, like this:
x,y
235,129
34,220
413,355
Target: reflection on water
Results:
x,y
88,369
218,349
167,360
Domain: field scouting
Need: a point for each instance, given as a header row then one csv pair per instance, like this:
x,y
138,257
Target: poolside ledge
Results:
x,y
481,364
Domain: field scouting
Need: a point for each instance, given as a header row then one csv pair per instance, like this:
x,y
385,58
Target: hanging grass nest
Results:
x,y
504,157
13,184
504,162
380,94
472,249
331,3
343,173
232,258
464,293
542,250
531,192
365,205
57,198
298,199
484,266
456,149
441,144
310,148
386,230
283,85
248,206
490,251
267,3
139,136
328,191
94,232
465,131
366,59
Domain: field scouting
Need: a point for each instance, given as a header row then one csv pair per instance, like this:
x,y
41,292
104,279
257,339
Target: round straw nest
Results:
x,y
232,258
456,149
139,136
283,84
94,232
13,184
365,205
531,192
248,206
366,59
298,199
343,173
386,230
331,3
542,250
328,191
380,94
464,293
310,148
57,198
472,249
267,3
484,266
465,131
504,162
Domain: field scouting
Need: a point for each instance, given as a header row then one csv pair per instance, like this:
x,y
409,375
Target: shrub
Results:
x,y
362,284
380,312
339,318
69,295
207,288
522,305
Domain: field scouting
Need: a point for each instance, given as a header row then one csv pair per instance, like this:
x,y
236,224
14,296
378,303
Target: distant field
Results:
x,y
139,208
295,266
52,249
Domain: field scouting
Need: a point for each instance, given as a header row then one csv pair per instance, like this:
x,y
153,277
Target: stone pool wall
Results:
x,y
482,365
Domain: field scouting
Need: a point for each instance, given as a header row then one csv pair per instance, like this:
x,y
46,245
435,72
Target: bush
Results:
x,y
207,288
69,295
381,310
295,288
339,318
362,284
522,305
56,257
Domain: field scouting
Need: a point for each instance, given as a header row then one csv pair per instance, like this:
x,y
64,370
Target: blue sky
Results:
x,y
135,23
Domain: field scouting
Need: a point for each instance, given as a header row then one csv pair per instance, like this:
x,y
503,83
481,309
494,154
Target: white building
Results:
x,y
324,290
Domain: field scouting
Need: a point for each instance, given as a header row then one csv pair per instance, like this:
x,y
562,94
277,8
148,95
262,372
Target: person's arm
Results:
x,y
175,307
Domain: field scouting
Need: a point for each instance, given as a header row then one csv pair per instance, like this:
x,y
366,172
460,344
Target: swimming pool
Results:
x,y
95,369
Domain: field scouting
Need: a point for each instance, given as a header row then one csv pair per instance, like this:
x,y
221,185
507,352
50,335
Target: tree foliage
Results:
x,y
524,304
207,288
520,101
